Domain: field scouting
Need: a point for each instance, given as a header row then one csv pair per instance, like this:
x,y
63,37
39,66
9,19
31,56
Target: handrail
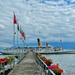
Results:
x,y
43,65
8,69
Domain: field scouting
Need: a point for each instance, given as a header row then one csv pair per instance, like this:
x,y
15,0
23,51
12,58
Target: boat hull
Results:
x,y
11,53
57,52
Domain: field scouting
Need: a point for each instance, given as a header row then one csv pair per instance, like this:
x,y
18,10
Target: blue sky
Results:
x,y
44,19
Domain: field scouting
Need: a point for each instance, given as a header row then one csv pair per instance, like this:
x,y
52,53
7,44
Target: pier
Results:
x,y
27,66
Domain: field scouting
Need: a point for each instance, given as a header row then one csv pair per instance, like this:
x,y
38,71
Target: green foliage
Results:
x,y
56,70
39,55
11,59
43,58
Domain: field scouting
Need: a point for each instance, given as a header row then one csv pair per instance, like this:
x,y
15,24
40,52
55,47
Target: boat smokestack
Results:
x,y
38,42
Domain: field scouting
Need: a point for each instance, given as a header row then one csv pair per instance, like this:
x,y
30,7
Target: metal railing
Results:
x,y
3,70
22,56
43,66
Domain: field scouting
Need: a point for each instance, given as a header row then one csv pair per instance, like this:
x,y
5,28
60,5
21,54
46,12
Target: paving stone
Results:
x,y
26,67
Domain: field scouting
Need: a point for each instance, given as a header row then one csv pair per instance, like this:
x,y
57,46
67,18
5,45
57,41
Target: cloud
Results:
x,y
72,0
1,26
5,44
46,19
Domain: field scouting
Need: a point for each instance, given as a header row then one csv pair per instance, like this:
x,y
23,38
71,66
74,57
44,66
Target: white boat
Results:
x,y
50,50
11,51
36,49
47,49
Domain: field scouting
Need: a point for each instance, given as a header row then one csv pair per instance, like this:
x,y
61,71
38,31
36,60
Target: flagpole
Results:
x,y
13,38
25,39
25,42
20,36
14,22
17,34
17,38
22,41
13,31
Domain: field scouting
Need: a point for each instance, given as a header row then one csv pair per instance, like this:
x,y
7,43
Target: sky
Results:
x,y
44,19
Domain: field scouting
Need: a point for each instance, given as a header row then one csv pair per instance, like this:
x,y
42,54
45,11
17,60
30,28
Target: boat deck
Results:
x,y
27,66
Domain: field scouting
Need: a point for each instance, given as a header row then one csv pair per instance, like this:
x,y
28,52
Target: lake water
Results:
x,y
66,62
3,56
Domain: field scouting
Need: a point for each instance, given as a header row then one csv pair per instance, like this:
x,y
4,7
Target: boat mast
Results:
x,y
61,42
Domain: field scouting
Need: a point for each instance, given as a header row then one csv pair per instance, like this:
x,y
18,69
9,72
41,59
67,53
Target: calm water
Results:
x,y
66,62
3,56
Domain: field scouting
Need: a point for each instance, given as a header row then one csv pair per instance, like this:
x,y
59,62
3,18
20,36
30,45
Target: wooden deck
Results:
x,y
27,66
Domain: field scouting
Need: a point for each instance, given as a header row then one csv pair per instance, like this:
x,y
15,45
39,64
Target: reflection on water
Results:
x,y
66,61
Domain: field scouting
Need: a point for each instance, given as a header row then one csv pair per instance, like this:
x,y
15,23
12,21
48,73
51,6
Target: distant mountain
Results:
x,y
1,48
65,45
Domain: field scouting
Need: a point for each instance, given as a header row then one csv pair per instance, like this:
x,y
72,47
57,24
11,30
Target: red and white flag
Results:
x,y
15,21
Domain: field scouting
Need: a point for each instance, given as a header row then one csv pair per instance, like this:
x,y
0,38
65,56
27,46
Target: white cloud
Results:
x,y
46,20
5,45
72,0
1,26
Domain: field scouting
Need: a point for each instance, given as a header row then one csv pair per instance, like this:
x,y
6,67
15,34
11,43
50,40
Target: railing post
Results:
x,y
40,71
45,70
44,66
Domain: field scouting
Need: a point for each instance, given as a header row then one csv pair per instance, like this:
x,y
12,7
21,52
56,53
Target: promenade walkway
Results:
x,y
26,67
